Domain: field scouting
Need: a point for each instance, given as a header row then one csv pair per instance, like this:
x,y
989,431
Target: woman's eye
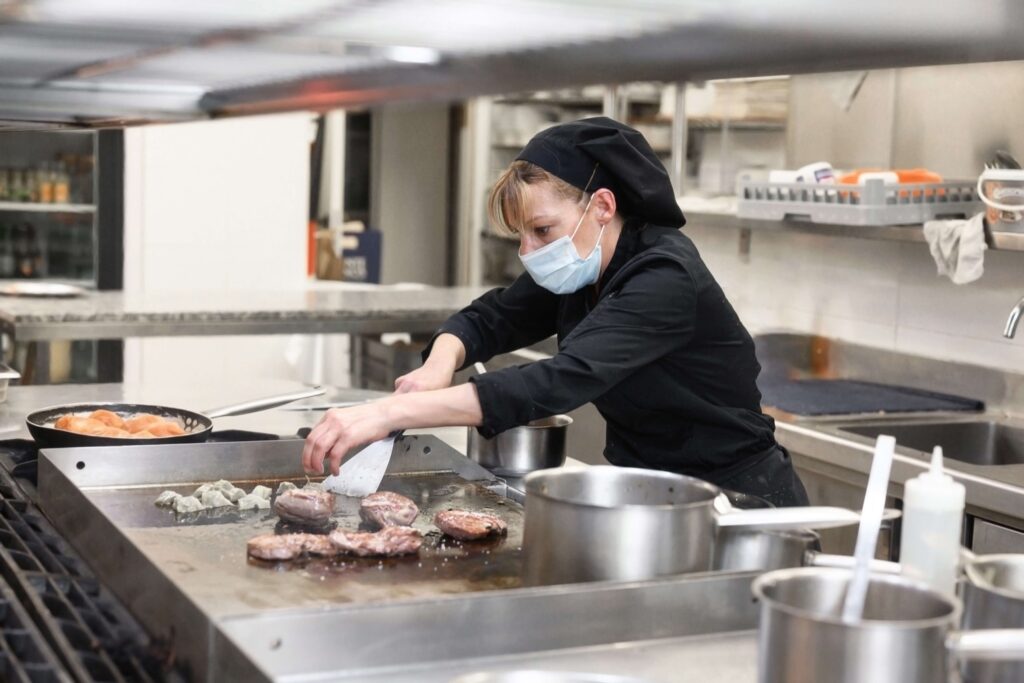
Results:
x,y
542,231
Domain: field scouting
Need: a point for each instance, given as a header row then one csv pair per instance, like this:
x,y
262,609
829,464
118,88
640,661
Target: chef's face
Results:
x,y
552,216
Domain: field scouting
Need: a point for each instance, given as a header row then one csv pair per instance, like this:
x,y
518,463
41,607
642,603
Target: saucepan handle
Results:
x,y
813,517
264,403
997,644
816,559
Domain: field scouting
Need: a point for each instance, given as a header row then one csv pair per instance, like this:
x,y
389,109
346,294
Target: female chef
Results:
x,y
644,331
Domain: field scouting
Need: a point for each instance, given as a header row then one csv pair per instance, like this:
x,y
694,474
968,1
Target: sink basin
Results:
x,y
980,442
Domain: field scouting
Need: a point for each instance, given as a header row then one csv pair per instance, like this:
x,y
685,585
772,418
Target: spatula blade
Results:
x,y
361,474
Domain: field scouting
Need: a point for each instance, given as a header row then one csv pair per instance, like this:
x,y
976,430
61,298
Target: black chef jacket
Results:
x,y
659,351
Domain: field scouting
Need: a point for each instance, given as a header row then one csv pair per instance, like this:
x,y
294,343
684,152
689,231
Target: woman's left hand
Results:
x,y
342,429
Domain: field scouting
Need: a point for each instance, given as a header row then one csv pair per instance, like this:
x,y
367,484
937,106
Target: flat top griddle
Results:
x,y
205,551
104,500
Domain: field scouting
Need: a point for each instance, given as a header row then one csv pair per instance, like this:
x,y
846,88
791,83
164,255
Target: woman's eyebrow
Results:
x,y
541,217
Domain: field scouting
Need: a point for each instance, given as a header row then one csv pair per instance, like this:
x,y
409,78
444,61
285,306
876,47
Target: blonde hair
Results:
x,y
507,207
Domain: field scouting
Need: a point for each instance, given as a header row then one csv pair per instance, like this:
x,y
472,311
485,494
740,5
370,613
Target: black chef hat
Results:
x,y
624,161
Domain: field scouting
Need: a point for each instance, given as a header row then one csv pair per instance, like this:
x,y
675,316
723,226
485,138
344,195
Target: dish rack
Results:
x,y
873,203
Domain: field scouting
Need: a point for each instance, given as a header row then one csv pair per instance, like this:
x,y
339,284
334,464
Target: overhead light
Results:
x,y
408,54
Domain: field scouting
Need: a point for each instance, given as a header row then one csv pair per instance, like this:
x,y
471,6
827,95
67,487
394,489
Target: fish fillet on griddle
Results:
x,y
469,526
282,547
388,542
386,508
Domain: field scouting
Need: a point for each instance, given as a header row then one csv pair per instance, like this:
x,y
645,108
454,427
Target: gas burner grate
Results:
x,y
57,623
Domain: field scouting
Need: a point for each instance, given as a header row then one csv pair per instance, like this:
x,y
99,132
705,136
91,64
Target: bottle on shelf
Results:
x,y
61,185
933,512
44,182
6,255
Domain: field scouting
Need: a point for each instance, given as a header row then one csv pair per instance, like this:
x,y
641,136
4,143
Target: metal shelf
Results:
x,y
1003,241
33,207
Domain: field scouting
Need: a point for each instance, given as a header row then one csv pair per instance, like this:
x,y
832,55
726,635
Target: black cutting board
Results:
x,y
849,397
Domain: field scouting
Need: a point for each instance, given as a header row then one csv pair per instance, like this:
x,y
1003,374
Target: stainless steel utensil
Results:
x,y
618,523
535,446
361,474
993,598
905,634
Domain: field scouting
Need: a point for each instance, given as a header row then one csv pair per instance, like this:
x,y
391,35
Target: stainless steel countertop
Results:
x,y
729,657
320,307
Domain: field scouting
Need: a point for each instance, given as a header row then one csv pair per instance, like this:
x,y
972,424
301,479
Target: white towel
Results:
x,y
958,247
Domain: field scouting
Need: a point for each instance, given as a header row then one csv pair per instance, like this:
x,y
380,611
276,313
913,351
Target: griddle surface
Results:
x,y
205,553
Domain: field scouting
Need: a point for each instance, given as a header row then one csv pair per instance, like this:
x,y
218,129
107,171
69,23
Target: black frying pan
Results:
x,y
197,425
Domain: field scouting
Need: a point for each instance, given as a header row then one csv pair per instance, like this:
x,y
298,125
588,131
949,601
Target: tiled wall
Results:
x,y
882,294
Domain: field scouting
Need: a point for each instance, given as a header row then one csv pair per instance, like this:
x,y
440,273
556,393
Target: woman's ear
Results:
x,y
604,205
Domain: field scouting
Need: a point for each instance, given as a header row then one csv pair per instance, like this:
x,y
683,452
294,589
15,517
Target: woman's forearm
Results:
x,y
457,406
448,353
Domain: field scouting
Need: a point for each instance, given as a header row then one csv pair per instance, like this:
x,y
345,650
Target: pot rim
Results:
x,y
948,621
971,570
532,487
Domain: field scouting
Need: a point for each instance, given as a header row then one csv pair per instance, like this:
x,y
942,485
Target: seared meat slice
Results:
x,y
384,509
302,506
469,526
275,547
290,546
388,542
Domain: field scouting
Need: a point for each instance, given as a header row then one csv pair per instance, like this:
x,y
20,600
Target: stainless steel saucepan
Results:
x,y
535,446
617,523
993,599
906,634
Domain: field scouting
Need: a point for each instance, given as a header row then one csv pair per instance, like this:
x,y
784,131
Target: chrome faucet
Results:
x,y
1011,322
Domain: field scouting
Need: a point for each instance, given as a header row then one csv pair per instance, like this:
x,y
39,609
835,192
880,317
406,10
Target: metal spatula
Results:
x,y
361,474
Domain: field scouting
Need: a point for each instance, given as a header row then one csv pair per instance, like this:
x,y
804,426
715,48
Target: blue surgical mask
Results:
x,y
559,268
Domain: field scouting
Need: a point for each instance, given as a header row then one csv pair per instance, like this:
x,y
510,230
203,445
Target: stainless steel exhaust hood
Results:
x,y
120,62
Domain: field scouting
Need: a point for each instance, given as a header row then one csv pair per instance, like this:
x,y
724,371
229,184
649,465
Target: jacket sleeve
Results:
x,y
502,320
653,313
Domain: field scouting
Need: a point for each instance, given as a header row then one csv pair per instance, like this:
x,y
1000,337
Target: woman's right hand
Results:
x,y
427,378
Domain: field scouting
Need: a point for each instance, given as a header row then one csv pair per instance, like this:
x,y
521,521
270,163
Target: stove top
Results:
x,y
58,623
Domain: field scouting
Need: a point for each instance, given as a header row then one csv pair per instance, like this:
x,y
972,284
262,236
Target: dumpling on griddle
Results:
x,y
252,501
215,499
167,498
184,504
261,491
234,494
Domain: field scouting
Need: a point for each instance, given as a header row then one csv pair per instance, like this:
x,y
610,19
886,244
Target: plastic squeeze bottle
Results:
x,y
933,513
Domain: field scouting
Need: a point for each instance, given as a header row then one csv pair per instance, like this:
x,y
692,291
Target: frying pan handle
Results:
x,y
264,403
997,644
813,517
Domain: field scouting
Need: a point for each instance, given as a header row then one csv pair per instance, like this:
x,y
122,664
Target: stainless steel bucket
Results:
x,y
994,598
905,636
535,446
618,523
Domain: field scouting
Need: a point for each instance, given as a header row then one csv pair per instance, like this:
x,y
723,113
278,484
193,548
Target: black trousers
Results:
x,y
772,478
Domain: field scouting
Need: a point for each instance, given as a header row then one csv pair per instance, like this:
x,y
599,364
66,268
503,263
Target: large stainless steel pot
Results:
x,y
521,450
993,598
905,636
618,523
